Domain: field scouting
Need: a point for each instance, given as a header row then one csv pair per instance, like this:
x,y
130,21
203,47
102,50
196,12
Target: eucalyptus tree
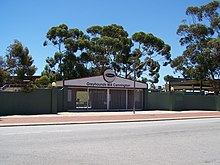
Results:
x,y
147,56
56,37
109,47
201,38
105,47
67,42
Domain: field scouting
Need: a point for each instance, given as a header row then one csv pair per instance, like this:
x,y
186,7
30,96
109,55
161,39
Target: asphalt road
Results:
x,y
188,142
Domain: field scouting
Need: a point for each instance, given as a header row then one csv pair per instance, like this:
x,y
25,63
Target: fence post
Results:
x,y
145,99
64,97
171,100
217,103
54,100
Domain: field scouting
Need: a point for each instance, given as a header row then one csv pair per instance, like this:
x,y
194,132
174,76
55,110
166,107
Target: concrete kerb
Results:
x,y
106,121
69,114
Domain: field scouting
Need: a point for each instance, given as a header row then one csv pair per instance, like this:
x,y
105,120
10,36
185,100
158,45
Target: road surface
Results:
x,y
183,142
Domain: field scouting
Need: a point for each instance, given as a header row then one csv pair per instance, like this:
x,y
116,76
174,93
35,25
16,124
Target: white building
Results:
x,y
107,92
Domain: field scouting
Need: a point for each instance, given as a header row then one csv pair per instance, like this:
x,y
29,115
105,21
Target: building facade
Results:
x,y
107,92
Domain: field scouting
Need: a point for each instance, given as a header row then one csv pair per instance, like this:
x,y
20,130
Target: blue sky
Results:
x,y
28,21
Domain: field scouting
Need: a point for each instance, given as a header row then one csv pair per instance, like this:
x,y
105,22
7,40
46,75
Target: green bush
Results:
x,y
42,82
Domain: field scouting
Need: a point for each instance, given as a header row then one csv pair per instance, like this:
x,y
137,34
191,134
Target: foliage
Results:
x,y
19,62
29,87
52,75
17,66
152,86
109,48
150,52
42,82
4,74
81,55
168,77
201,58
67,42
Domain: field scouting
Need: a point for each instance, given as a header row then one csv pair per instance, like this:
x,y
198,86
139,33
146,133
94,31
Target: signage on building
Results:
x,y
108,85
109,75
108,80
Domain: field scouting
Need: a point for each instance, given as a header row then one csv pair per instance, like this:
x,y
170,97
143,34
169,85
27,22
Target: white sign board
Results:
x,y
99,81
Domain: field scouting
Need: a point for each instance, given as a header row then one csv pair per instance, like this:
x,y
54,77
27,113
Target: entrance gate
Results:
x,y
118,99
104,99
107,92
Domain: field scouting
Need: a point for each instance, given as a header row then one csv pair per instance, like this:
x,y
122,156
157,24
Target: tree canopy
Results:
x,y
81,54
19,62
67,42
17,66
109,48
4,74
201,58
167,78
151,51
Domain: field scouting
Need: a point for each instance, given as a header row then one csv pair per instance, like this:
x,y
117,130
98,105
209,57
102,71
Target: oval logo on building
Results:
x,y
109,75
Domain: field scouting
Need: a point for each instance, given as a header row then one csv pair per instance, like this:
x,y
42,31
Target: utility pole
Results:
x,y
134,86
